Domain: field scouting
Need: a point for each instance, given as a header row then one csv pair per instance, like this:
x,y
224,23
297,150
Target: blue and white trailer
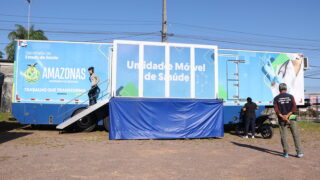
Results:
x,y
257,74
51,79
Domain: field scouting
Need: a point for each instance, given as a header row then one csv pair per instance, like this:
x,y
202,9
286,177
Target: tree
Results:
x,y
22,33
1,54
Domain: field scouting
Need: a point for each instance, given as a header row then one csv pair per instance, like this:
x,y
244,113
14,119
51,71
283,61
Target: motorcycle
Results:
x,y
264,125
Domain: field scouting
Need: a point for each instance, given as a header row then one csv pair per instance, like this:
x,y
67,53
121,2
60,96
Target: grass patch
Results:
x,y
6,117
7,122
309,126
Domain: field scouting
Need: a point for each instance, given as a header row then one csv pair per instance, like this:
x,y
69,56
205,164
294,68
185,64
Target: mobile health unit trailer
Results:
x,y
158,74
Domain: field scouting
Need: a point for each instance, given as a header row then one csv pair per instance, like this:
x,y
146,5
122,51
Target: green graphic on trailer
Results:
x,y
281,59
223,94
129,90
32,73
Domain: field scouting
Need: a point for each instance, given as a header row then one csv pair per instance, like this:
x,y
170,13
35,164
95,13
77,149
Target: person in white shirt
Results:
x,y
94,79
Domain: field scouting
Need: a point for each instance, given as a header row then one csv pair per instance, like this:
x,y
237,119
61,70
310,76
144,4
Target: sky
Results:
x,y
269,25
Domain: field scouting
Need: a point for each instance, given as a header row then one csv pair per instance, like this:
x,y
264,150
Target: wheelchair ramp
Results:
x,y
82,114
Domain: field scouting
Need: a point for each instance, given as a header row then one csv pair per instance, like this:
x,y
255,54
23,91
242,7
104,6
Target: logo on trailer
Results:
x,y
32,73
22,43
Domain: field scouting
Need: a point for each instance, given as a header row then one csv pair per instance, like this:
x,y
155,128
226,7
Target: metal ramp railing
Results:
x,y
104,99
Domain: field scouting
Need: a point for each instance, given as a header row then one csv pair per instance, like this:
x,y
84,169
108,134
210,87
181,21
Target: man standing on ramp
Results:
x,y
94,79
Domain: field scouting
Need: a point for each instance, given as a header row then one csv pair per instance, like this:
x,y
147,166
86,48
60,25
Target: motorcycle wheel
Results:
x,y
266,131
239,130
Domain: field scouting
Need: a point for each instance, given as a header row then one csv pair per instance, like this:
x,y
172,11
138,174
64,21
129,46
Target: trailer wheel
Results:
x,y
106,123
85,124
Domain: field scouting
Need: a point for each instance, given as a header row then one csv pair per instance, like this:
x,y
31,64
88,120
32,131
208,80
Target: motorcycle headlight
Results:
x,y
235,118
273,121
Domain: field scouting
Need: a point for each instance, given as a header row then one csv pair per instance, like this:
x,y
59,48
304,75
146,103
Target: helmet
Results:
x,y
282,86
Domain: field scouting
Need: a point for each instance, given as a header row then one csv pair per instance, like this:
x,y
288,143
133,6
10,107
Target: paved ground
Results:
x,y
45,154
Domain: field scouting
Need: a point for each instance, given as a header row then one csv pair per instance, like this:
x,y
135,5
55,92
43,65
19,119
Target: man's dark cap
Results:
x,y
282,86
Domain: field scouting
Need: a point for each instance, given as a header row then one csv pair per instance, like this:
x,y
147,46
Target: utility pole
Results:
x,y
164,21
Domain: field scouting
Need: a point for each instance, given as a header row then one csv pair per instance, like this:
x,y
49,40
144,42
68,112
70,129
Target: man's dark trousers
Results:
x,y
294,131
250,121
93,95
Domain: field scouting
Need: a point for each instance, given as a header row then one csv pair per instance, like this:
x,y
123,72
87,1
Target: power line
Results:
x,y
79,19
311,77
241,43
175,35
176,23
121,37
281,43
71,23
127,34
314,66
313,73
124,24
81,32
241,32
103,33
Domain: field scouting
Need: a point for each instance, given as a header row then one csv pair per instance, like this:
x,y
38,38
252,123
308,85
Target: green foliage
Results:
x,y
1,54
22,33
4,117
6,122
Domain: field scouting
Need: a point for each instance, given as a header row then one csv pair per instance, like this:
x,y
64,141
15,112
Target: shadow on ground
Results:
x,y
6,127
41,127
277,153
8,136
